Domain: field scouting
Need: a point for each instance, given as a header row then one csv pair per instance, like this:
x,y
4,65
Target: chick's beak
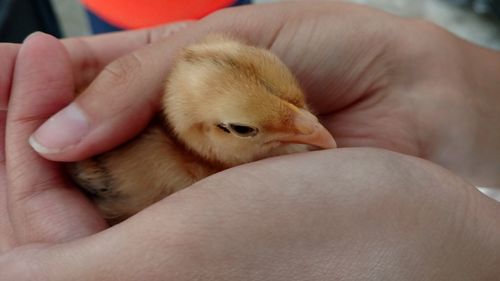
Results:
x,y
309,131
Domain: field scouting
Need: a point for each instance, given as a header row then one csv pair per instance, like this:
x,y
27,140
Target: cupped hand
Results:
x,y
36,80
375,79
349,214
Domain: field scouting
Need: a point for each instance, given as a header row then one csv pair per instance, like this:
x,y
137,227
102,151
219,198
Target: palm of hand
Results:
x,y
351,84
377,87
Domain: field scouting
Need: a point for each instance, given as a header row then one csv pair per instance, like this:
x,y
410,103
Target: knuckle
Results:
x,y
88,66
157,34
123,69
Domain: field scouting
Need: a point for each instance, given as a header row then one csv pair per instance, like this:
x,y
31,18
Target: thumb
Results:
x,y
122,99
115,106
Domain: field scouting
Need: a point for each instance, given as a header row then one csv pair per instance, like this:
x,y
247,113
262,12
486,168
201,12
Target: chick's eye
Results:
x,y
239,130
242,130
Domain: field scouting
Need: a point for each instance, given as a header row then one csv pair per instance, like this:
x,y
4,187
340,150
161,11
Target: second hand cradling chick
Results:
x,y
225,104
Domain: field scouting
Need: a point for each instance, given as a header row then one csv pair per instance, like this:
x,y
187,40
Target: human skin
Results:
x,y
350,214
83,59
377,216
376,80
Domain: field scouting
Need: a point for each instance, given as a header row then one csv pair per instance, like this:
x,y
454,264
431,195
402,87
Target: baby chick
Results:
x,y
225,103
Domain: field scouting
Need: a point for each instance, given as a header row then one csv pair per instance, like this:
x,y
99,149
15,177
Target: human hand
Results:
x,y
44,68
349,214
376,80
356,214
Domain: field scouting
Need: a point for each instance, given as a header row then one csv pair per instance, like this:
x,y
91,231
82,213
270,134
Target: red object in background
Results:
x,y
131,14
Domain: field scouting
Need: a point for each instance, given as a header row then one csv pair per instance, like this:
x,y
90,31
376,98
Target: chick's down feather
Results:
x,y
225,103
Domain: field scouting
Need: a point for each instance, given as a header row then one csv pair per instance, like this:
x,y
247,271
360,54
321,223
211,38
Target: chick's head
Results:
x,y
232,103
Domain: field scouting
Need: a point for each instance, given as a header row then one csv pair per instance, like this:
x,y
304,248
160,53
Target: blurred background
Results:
x,y
475,20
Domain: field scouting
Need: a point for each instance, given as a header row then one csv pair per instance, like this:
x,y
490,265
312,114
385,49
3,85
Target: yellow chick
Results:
x,y
225,103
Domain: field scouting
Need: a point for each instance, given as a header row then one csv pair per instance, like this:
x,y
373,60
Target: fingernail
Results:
x,y
62,131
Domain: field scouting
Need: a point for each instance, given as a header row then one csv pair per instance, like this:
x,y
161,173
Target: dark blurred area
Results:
x,y
19,18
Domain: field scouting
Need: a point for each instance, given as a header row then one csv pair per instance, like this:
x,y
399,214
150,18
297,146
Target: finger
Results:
x,y
279,213
7,60
41,205
123,98
89,55
7,240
